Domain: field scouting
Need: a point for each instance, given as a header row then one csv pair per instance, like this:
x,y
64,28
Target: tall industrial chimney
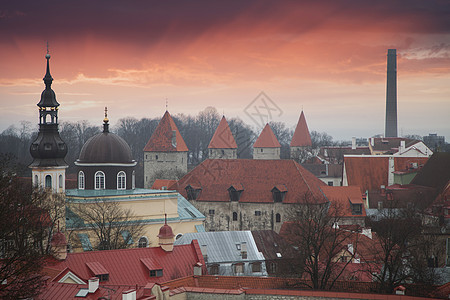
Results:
x,y
391,94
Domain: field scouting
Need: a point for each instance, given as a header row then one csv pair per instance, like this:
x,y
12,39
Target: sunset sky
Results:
x,y
328,57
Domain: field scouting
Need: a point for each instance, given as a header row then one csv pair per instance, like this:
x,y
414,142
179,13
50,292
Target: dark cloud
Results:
x,y
149,22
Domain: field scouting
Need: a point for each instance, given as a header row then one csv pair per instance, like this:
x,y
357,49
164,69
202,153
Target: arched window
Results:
x,y
99,180
81,180
48,181
60,179
143,242
133,180
278,218
234,216
121,180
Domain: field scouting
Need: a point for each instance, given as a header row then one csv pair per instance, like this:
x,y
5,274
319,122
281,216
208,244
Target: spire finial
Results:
x,y
165,219
167,104
105,121
48,77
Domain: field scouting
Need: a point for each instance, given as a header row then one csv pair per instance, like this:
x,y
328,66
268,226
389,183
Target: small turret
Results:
x,y
166,236
59,245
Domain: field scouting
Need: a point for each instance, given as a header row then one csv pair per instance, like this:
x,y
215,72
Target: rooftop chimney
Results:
x,y
129,295
93,284
391,94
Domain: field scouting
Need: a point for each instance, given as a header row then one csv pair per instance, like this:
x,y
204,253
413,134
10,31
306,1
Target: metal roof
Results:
x,y
224,246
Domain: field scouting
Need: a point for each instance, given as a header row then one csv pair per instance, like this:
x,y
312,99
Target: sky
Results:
x,y
257,60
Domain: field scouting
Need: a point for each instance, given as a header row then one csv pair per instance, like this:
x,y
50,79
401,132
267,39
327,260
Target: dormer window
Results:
x,y
193,192
279,192
235,191
356,205
154,268
98,270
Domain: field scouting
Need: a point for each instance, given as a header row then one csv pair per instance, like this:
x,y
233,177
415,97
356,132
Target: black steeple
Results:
x,y
48,149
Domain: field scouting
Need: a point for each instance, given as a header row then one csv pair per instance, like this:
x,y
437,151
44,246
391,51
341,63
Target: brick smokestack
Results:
x,y
391,94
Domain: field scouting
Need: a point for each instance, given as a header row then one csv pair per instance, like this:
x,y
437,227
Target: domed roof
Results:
x,y
166,232
106,147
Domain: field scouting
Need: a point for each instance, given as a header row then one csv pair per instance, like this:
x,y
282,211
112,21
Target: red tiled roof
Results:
x,y
125,266
160,183
343,197
222,138
161,139
370,172
151,264
258,178
267,139
301,135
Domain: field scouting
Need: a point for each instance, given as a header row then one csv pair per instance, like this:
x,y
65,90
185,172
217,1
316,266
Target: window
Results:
x,y
261,150
343,259
214,269
278,218
238,268
121,180
81,180
235,192
156,273
60,181
278,193
143,242
356,209
48,181
36,180
211,211
192,192
330,183
133,180
223,152
257,213
103,277
256,267
99,180
272,267
235,216
156,157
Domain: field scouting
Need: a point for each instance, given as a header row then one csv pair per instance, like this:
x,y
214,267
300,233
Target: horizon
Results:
x,y
325,58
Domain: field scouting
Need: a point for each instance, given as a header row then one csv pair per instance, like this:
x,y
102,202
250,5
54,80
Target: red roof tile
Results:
x,y
301,135
343,197
161,139
257,177
125,266
267,139
371,172
222,138
159,184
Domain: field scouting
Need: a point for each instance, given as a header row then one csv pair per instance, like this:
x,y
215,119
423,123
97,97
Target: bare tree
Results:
x,y
403,249
25,231
112,226
314,232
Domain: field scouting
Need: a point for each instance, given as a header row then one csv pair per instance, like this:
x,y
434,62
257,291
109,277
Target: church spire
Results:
x,y
106,121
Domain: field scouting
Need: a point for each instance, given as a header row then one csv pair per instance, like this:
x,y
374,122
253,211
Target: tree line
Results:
x,y
196,130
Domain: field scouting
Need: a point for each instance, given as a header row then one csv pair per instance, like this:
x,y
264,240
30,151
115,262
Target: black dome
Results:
x,y
106,147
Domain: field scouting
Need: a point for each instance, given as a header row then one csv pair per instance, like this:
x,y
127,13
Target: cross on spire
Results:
x,y
167,104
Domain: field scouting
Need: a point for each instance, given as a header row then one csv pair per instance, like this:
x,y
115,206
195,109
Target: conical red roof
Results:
x,y
161,139
267,139
223,138
301,136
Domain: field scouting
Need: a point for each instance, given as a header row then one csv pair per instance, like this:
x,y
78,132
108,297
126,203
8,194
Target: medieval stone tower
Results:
x,y
222,145
165,155
48,149
301,140
267,145
391,94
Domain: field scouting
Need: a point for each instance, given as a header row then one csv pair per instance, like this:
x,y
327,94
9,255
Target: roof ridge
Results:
x,y
267,139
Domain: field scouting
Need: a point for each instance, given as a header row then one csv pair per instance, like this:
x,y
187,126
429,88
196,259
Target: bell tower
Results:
x,y
48,150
